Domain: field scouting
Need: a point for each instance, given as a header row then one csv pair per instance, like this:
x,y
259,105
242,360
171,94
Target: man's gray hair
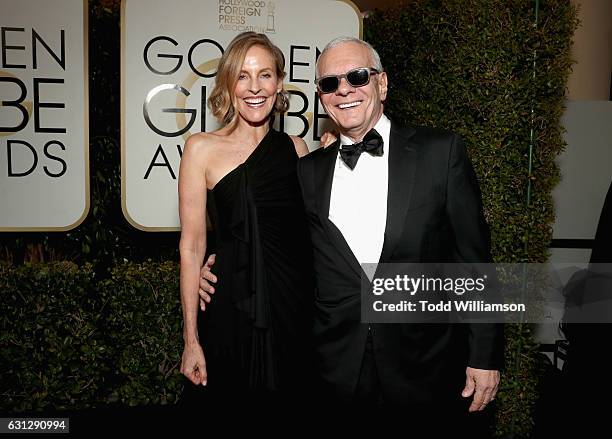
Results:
x,y
343,40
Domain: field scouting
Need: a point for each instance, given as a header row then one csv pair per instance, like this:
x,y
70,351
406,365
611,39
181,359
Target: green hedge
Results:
x,y
51,352
69,341
143,325
468,66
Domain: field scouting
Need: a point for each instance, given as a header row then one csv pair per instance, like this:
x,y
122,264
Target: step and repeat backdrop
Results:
x,y
169,55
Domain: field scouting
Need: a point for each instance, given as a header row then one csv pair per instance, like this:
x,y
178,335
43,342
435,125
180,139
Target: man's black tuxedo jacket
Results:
x,y
434,213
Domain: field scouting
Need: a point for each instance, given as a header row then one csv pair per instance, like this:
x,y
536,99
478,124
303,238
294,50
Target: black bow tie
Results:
x,y
372,143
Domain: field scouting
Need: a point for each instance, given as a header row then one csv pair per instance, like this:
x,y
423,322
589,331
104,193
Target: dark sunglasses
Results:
x,y
356,78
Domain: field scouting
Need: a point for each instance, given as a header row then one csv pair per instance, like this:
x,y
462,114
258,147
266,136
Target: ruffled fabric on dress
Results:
x,y
255,301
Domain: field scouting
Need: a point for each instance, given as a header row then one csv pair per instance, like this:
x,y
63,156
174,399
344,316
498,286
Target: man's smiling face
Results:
x,y
354,109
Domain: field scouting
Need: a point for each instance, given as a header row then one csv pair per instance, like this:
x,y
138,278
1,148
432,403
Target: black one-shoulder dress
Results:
x,y
256,331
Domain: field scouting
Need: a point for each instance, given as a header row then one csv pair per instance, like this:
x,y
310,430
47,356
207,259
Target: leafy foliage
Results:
x,y
68,341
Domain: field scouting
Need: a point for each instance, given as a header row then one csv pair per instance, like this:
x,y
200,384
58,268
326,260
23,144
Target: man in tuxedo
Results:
x,y
383,193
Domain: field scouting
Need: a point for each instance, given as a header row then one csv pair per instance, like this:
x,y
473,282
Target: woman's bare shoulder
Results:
x,y
201,145
200,141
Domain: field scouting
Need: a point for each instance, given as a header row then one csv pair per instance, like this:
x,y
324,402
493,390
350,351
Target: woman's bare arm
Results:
x,y
192,247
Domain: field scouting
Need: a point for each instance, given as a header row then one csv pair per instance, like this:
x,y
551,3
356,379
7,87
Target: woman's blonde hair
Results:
x,y
221,98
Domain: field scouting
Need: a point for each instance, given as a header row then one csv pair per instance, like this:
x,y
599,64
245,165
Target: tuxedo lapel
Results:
x,y
324,175
402,171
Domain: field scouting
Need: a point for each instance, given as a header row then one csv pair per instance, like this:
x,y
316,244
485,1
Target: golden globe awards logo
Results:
x,y
247,15
168,72
43,115
194,65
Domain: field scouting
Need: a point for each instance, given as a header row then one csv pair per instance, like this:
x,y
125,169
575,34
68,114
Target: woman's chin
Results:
x,y
256,118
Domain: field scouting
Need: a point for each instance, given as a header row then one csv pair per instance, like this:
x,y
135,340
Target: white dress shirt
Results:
x,y
358,201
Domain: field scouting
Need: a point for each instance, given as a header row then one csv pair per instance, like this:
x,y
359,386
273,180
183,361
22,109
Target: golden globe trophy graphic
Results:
x,y
270,27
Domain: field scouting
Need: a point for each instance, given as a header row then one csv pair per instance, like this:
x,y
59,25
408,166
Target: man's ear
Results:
x,y
382,85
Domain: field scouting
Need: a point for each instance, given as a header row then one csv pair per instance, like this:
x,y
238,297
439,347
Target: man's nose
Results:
x,y
344,87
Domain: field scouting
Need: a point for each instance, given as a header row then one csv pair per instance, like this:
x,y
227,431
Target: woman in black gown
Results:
x,y
254,335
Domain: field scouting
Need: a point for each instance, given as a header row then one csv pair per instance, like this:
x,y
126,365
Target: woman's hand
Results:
x,y
193,364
